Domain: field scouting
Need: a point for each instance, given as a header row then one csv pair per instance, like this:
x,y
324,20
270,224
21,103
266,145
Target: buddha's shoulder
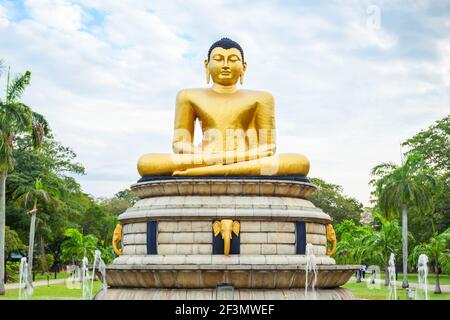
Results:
x,y
258,94
190,92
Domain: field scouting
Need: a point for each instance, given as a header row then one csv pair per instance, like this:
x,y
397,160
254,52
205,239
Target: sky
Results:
x,y
351,79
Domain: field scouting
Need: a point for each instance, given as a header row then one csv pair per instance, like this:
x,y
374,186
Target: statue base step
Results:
x,y
236,294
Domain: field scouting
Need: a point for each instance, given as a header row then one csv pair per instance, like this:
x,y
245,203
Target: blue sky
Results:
x,y
351,79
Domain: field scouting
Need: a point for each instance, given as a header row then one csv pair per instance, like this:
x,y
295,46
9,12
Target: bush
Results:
x,y
12,271
44,262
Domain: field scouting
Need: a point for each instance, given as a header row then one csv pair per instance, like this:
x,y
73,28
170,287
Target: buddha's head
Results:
x,y
225,63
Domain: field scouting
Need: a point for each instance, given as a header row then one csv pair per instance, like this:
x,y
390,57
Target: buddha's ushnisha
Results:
x,y
238,127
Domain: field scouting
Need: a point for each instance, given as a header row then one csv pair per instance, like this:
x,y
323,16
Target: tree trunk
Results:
x,y
31,244
437,287
41,245
386,276
405,246
2,232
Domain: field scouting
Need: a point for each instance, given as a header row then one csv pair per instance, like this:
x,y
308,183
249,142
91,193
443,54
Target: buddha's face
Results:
x,y
225,66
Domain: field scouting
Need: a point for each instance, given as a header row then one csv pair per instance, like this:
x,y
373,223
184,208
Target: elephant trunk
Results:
x,y
226,244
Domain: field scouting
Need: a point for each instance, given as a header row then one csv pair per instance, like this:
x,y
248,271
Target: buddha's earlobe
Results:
x,y
208,76
241,79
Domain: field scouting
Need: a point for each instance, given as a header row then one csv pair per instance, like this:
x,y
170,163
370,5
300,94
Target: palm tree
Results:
x,y
352,250
400,187
437,250
384,242
15,118
31,196
77,245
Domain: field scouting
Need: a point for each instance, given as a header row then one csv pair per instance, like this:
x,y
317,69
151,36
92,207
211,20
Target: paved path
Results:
x,y
12,286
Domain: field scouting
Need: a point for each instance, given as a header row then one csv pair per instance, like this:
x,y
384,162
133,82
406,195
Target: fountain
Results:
x,y
310,266
422,273
85,285
99,264
392,281
24,280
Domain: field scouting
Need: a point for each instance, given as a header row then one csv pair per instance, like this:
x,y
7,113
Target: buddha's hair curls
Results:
x,y
226,43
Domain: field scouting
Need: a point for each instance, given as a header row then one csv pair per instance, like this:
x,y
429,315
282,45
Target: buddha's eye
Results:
x,y
217,58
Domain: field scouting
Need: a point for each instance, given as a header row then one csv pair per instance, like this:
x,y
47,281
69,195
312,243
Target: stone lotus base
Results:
x,y
238,294
259,272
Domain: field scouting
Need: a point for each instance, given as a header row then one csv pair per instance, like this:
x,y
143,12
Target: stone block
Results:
x,y
129,249
128,239
201,226
167,249
272,226
250,249
250,226
202,249
166,237
319,250
198,259
280,237
174,259
269,249
256,259
223,259
141,249
183,237
184,226
140,227
167,226
315,228
140,238
184,249
319,239
203,237
253,237
285,249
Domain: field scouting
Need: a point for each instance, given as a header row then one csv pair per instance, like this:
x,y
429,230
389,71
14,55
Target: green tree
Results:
x,y
433,144
77,245
16,118
330,199
12,242
437,250
31,197
385,241
401,187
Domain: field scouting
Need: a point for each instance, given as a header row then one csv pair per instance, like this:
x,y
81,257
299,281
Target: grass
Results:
x,y
41,277
53,292
380,292
444,279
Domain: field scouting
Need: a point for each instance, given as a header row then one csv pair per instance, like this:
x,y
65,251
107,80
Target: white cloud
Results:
x,y
58,14
4,22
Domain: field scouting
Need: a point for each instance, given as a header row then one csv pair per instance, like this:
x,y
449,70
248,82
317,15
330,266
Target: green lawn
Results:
x,y
361,290
53,292
444,279
40,276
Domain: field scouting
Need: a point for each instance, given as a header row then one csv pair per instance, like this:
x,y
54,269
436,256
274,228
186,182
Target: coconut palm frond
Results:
x,y
17,86
20,115
39,129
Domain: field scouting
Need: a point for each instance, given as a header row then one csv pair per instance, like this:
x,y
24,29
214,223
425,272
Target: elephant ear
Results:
x,y
216,228
236,227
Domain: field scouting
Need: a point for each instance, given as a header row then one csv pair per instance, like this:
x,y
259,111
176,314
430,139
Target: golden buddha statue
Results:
x,y
238,127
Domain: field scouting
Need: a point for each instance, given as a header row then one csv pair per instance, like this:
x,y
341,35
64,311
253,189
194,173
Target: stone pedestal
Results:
x,y
180,263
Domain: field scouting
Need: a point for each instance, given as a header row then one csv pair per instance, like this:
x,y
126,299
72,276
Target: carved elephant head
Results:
x,y
331,238
117,239
226,228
